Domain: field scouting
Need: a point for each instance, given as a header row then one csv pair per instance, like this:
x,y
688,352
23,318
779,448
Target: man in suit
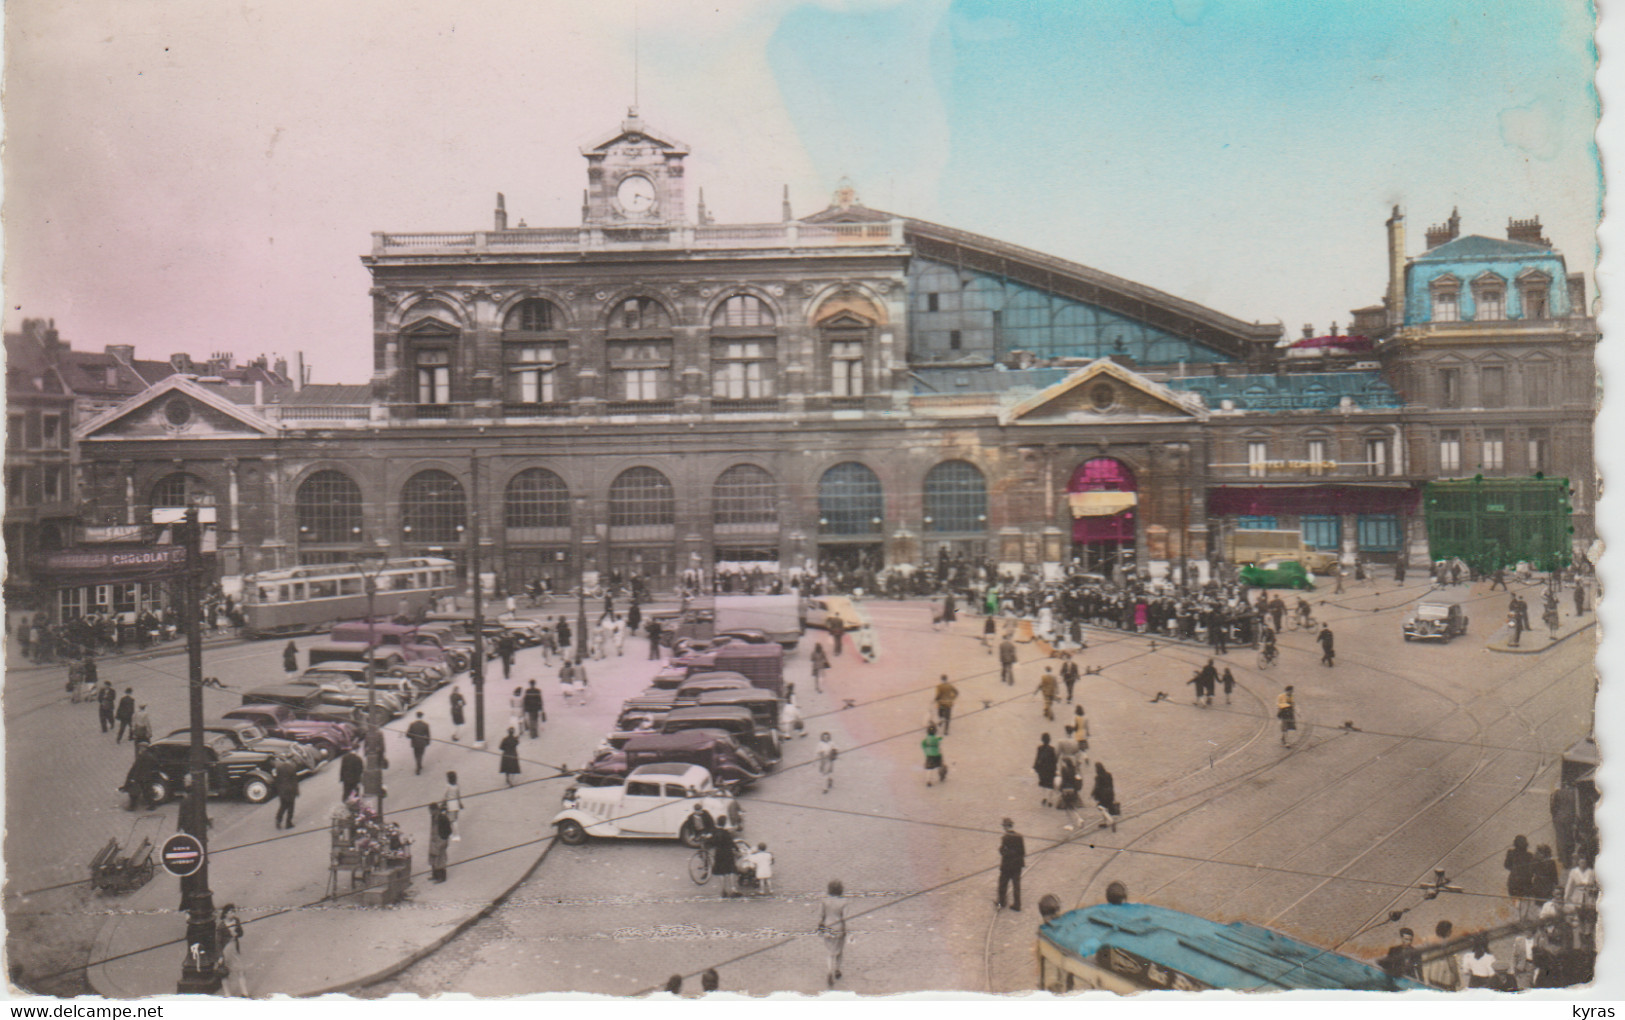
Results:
x,y
1012,858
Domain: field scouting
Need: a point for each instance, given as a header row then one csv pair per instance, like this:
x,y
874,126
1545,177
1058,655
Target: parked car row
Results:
x,y
702,730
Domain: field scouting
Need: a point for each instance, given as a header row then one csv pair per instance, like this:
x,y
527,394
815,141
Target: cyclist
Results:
x,y
1268,650
1306,616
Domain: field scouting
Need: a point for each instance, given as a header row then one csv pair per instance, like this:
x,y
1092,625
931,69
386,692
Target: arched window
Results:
x,y
428,347
641,496
537,498
182,489
745,494
532,315
850,500
1102,474
638,313
742,311
955,497
433,508
328,508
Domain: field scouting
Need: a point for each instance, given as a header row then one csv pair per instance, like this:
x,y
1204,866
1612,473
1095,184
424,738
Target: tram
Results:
x,y
1138,947
298,600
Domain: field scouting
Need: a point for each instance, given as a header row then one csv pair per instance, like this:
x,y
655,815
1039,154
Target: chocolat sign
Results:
x,y
132,561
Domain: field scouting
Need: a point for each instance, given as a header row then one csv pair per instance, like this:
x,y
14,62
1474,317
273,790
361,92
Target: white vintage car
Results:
x,y
656,802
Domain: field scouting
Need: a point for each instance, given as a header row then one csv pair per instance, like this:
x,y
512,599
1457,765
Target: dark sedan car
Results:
x,y
330,739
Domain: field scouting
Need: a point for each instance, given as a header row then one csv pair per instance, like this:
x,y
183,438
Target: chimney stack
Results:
x,y
501,217
1527,231
1438,235
1396,269
787,216
701,215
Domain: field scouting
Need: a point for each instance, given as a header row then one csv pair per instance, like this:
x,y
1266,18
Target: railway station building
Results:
x,y
651,392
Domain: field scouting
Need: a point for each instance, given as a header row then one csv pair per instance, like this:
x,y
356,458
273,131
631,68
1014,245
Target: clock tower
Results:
x,y
634,178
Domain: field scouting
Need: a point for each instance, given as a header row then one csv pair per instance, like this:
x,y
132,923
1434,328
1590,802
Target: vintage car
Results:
x,y
656,802
641,714
1276,574
715,751
233,770
1435,621
330,739
339,689
736,720
248,735
818,610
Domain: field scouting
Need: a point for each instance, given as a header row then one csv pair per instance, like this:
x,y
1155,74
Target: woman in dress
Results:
x,y
820,665
516,709
1045,763
832,928
723,864
1105,797
457,703
1580,899
510,756
452,802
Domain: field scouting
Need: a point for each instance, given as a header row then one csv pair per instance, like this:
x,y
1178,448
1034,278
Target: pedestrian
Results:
x,y
1048,688
1543,883
1580,900
1012,858
417,734
990,628
652,629
290,659
516,701
1286,710
724,864
286,781
932,745
1071,785
837,633
457,703
452,802
510,756
761,865
1069,674
1229,681
439,840
1079,732
1550,618
1007,661
946,695
228,942
832,928
826,760
125,715
1104,794
1520,865
106,698
790,724
1401,959
1045,763
535,714
351,769
505,653
1399,569
1339,590
820,666
1326,653
1443,971
1579,598
140,729
1478,965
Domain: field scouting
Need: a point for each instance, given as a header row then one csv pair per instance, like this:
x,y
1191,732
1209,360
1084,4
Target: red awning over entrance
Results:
x,y
1264,500
1102,474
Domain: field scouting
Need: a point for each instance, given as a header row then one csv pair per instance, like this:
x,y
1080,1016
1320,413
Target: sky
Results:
x,y
191,175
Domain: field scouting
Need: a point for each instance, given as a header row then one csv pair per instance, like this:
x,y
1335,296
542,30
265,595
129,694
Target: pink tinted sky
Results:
x,y
188,175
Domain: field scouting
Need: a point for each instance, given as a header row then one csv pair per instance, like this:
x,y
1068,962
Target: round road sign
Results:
x,y
181,855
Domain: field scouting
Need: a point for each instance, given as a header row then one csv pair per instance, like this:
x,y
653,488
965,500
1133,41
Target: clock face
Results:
x,y
636,194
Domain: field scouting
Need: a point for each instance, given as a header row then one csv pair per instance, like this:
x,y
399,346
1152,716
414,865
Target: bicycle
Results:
x,y
1268,656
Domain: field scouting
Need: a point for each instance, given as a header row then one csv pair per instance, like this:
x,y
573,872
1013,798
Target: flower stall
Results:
x,y
375,854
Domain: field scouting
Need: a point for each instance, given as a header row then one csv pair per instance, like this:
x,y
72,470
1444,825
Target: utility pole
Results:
x,y
477,671
200,971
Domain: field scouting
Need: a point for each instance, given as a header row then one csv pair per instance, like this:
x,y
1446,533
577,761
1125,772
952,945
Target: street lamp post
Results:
x,y
201,972
370,563
581,590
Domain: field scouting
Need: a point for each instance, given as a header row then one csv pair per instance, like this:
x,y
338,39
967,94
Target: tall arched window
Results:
x,y
182,489
537,498
742,311
850,500
639,352
955,497
641,496
745,494
532,315
328,508
533,352
433,507
744,350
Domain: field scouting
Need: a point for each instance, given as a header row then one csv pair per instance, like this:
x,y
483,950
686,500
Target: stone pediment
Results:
x,y
175,408
1101,392
637,136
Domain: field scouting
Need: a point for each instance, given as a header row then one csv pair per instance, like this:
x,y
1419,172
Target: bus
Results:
x,y
298,600
1138,947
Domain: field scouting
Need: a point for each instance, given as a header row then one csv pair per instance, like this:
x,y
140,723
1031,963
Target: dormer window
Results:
x,y
1534,293
1489,298
1445,292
